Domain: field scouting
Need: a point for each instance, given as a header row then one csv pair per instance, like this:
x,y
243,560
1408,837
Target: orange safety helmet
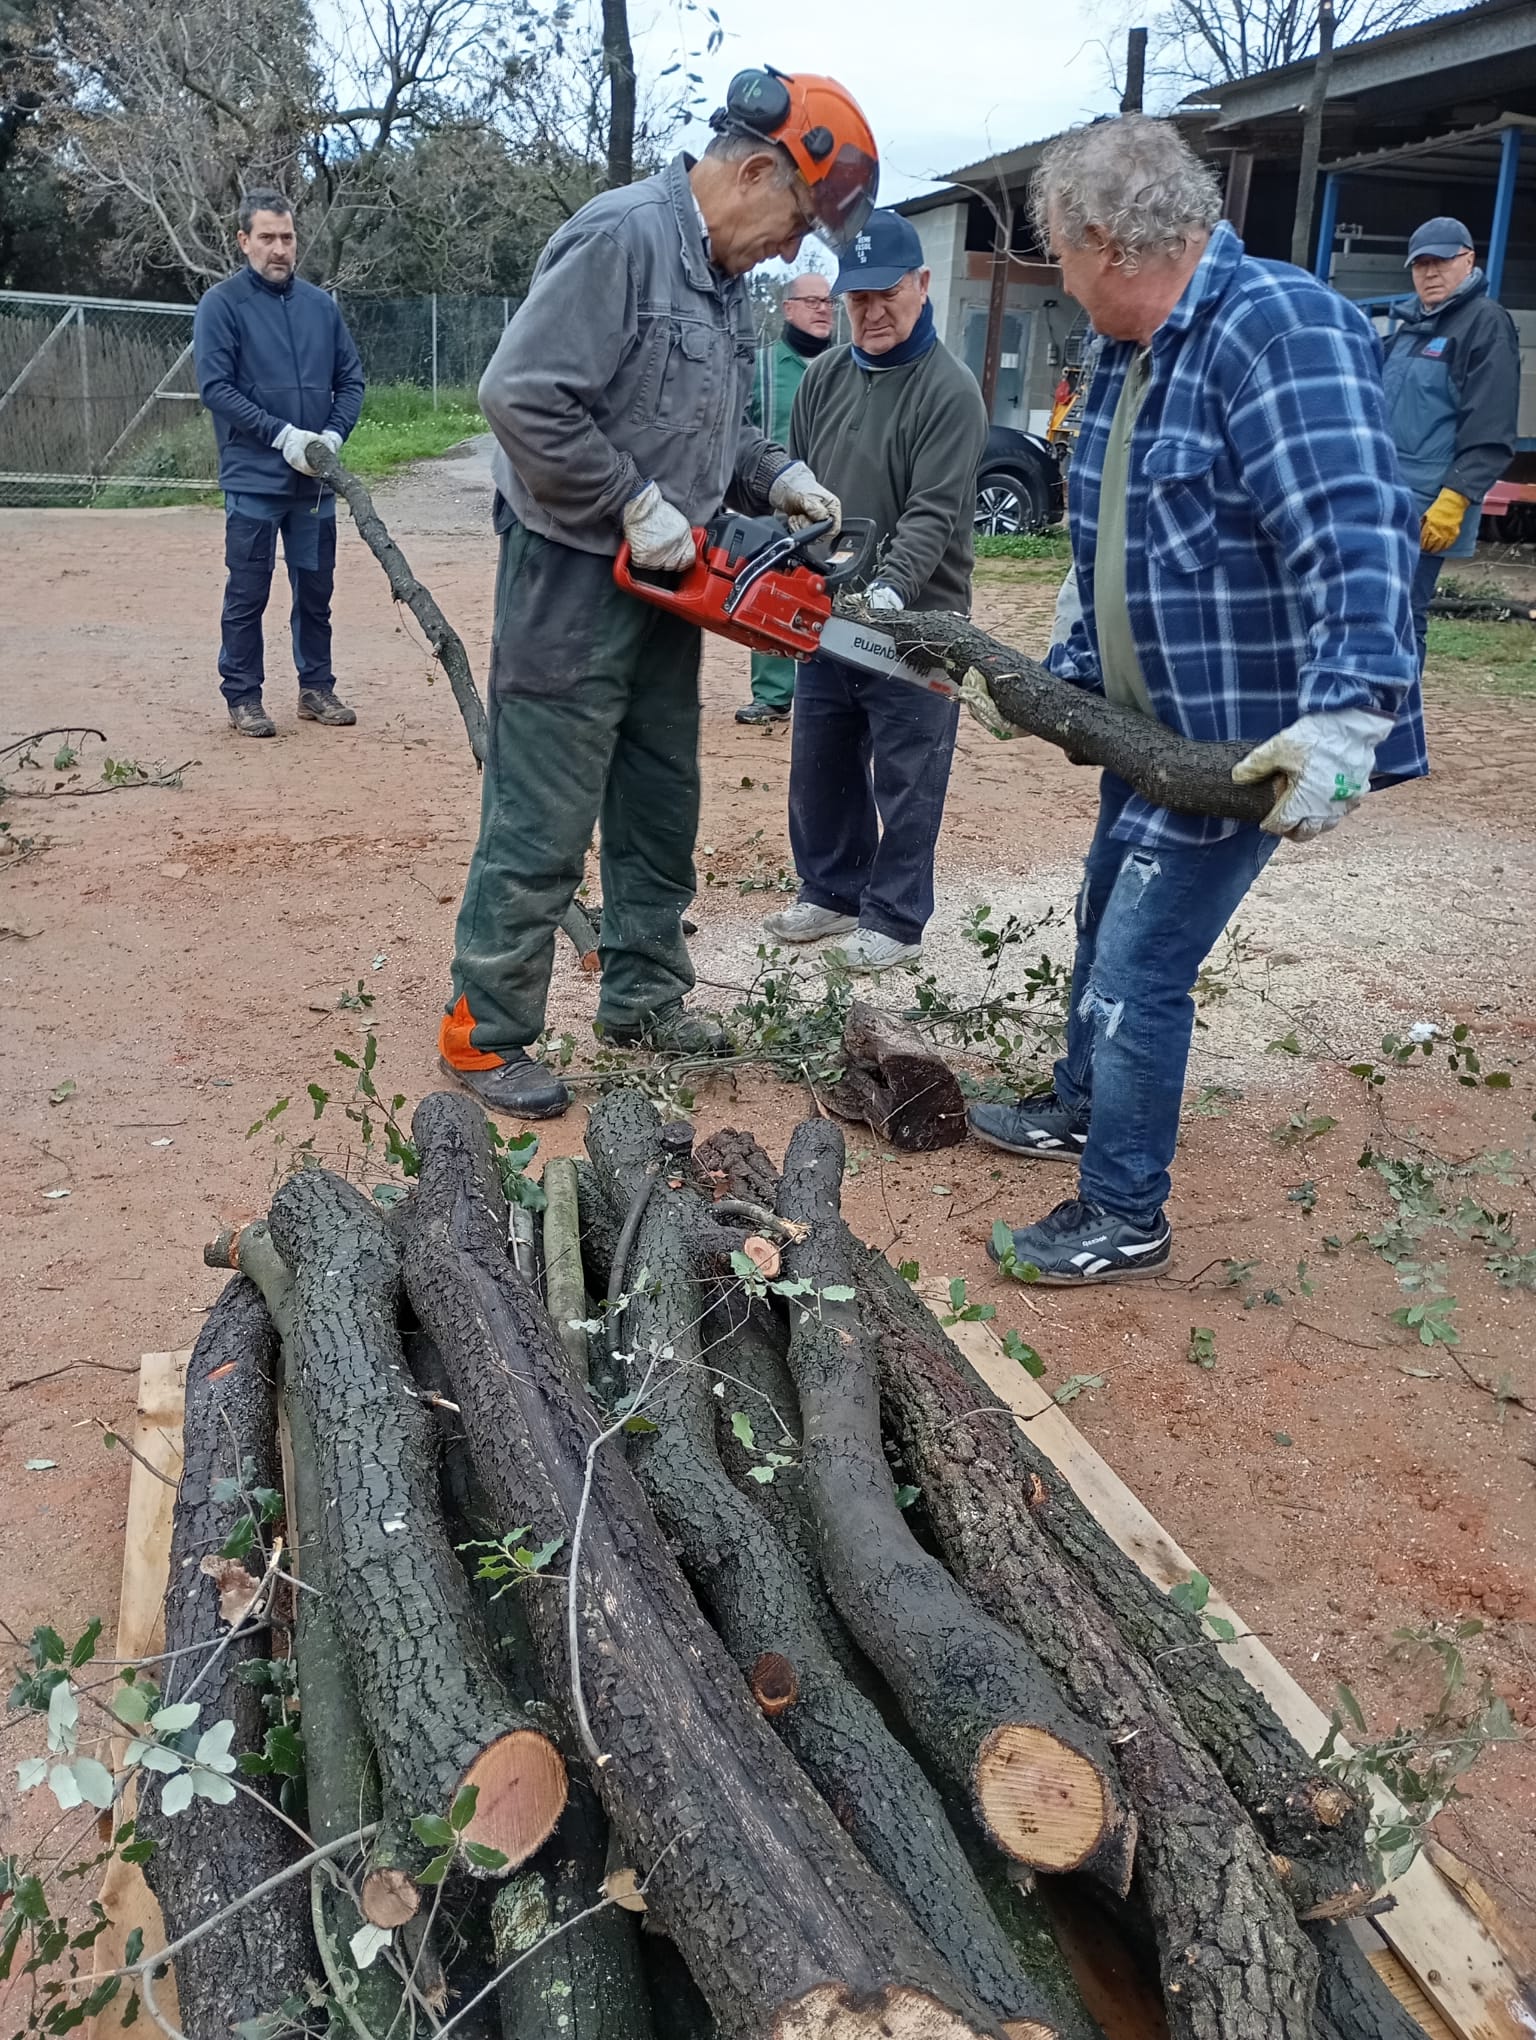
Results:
x,y
823,132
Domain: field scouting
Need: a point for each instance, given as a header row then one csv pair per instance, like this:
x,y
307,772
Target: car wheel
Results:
x,y
1010,502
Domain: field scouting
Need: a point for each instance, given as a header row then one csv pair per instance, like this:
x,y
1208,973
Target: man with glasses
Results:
x,y
618,398
1452,377
809,317
898,426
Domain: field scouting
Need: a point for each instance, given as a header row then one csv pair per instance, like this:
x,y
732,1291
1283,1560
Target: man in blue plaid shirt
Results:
x,y
1244,552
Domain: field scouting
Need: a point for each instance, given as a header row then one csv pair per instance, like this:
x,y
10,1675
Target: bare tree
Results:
x,y
1198,43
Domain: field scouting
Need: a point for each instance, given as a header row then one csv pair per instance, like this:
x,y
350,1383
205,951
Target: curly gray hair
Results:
x,y
1135,179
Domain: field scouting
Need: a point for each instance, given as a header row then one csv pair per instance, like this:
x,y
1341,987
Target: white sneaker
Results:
x,y
868,949
804,922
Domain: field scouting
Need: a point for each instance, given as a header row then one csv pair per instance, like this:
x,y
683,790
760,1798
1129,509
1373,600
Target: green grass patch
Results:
x,y
399,425
1034,545
1487,658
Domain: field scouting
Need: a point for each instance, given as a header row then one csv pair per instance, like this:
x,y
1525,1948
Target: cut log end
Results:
x,y
832,2012
389,1898
1044,1803
521,1782
1028,2029
774,1682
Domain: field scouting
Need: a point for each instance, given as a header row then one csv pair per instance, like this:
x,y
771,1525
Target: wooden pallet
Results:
x,y
1439,1958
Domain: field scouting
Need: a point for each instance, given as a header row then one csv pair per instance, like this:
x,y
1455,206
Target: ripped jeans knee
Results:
x,y
1097,1010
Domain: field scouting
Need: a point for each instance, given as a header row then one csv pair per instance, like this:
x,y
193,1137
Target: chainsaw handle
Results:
x,y
627,575
865,537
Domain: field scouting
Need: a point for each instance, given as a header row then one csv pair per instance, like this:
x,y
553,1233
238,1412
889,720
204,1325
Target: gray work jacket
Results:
x,y
629,361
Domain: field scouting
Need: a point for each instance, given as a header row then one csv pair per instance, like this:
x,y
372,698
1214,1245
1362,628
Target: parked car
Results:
x,y
1019,486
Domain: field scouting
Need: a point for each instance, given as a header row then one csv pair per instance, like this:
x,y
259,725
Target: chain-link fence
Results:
x,y
98,396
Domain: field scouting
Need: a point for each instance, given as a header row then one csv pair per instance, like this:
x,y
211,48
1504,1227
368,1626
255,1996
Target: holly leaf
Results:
x,y
437,1869
1017,1349
484,1858
462,1811
432,1831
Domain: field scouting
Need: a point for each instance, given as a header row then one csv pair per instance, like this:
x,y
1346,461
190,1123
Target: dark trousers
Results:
x,y
594,712
1146,921
1425,576
869,768
250,553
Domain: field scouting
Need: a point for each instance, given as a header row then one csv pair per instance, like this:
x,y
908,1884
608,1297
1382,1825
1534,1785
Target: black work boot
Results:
x,y
323,704
762,712
519,1086
675,1031
251,719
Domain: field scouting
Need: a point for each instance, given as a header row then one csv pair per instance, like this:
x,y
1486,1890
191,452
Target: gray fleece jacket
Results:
x,y
630,361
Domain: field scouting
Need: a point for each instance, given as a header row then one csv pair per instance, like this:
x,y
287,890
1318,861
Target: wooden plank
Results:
x,y
127,1899
1446,1949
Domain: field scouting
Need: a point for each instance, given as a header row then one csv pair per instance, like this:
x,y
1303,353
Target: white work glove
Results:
x,y
804,500
660,536
291,443
881,595
332,440
1325,763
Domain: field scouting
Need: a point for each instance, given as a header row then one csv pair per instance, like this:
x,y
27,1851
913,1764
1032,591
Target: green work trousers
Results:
x,y
773,680
594,714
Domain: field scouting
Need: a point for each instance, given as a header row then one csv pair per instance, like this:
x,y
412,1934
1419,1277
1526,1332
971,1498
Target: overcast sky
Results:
x,y
943,82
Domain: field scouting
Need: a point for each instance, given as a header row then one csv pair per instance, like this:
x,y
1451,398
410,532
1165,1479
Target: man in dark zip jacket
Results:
x,y
277,367
1452,378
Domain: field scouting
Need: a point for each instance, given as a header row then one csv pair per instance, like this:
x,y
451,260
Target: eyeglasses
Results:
x,y
795,297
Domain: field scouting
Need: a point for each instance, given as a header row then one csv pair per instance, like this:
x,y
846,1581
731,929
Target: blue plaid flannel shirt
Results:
x,y
1271,543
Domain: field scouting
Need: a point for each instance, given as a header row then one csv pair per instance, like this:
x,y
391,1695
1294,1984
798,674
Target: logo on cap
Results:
x,y
862,246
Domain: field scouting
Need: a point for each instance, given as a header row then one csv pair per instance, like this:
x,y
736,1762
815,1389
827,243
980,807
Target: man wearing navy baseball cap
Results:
x,y
1453,390
897,426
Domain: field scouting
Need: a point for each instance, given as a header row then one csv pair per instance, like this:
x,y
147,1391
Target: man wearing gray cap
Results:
x,y
1453,389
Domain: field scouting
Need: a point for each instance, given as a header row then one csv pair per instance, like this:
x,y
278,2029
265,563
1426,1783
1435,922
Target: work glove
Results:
x,y
291,443
803,499
660,536
1440,526
332,440
1325,764
881,595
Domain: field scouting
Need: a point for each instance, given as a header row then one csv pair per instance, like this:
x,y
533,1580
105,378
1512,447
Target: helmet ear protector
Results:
x,y
824,133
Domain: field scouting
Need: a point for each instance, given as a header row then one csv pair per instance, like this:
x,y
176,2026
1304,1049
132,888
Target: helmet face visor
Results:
x,y
844,196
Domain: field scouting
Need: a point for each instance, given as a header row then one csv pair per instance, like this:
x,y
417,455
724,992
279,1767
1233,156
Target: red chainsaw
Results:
x,y
760,584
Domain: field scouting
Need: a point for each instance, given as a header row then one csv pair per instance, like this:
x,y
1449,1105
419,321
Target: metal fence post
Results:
x,y
85,388
434,350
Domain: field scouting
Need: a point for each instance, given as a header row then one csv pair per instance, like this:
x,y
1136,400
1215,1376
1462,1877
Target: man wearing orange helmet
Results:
x,y
618,398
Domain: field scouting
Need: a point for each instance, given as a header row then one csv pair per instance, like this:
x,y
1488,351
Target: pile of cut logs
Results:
x,y
813,1667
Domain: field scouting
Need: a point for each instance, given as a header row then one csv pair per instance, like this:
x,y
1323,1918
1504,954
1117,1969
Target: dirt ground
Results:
x,y
177,955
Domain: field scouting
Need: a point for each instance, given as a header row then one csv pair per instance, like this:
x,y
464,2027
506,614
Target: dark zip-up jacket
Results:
x,y
266,358
1452,378
900,446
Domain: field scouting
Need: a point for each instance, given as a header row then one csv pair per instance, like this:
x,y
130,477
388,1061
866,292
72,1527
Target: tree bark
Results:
x,y
1041,1781
1195,778
447,645
1234,1963
565,1285
619,69
1352,2001
210,1854
761,1604
781,1922
896,1084
1310,1823
437,1716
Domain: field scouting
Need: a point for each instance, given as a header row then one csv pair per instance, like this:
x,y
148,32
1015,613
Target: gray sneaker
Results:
x,y
324,705
868,950
251,719
1039,1126
806,923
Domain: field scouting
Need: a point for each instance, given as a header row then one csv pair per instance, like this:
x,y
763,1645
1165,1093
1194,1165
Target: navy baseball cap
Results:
x,y
1441,238
886,250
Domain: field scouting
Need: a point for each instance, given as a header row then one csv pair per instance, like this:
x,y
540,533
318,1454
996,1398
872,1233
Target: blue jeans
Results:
x,y
868,771
1425,576
250,553
1146,920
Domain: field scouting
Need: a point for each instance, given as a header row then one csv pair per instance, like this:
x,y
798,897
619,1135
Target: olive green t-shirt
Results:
x,y
1124,683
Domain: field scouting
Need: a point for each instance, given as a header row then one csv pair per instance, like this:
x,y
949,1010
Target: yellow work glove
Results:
x,y
1440,526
